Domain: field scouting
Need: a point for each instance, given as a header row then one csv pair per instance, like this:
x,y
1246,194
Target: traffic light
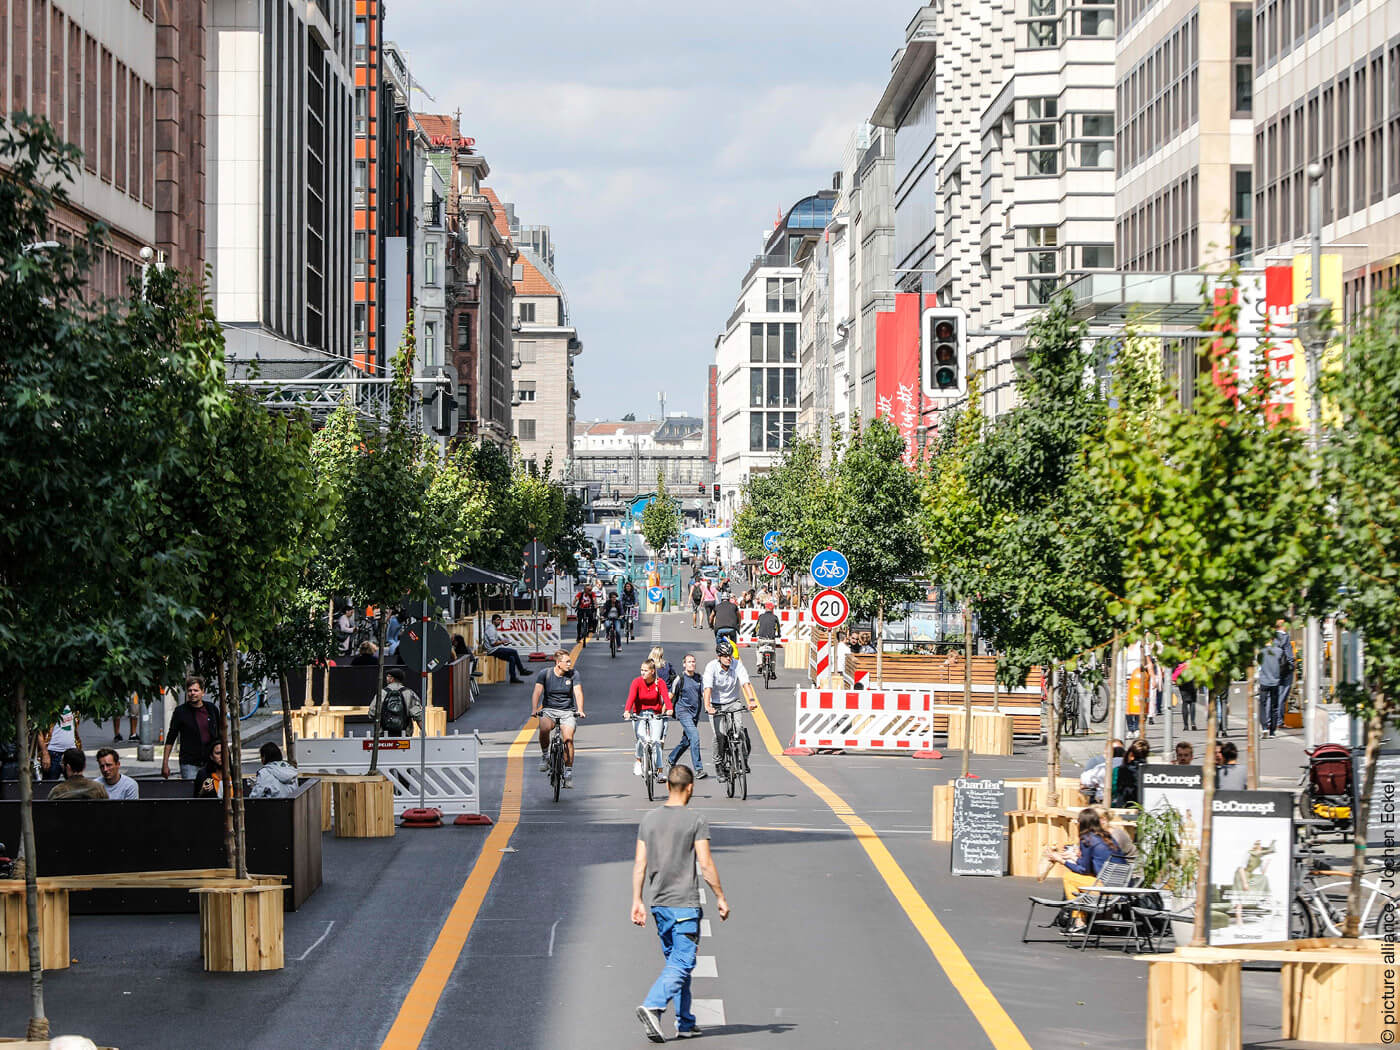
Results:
x,y
716,492
944,352
442,407
702,488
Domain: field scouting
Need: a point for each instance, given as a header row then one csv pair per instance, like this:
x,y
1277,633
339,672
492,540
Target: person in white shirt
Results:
x,y
727,688
120,787
496,646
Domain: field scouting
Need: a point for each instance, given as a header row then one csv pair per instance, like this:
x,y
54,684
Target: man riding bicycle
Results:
x,y
726,618
558,697
584,608
768,631
727,687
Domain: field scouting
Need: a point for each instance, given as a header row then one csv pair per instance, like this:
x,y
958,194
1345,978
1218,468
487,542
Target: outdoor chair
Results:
x,y
1107,908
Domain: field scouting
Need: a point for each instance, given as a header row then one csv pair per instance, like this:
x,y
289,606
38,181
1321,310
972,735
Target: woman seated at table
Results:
x,y
1121,838
1083,863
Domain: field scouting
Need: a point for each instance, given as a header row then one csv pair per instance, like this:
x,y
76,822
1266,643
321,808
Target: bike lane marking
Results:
x,y
416,1012
985,1007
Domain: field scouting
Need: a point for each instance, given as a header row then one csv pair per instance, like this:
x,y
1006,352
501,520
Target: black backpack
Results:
x,y
393,712
697,593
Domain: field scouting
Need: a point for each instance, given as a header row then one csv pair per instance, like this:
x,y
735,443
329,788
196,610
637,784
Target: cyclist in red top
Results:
x,y
648,696
584,612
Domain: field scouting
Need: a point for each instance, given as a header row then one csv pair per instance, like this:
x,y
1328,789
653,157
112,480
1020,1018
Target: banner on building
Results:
x,y
1251,871
1285,287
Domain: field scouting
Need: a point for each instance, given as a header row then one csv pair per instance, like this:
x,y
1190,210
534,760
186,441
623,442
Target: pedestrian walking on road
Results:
x,y
398,707
697,598
673,851
687,694
1285,682
61,738
1188,698
1275,664
197,725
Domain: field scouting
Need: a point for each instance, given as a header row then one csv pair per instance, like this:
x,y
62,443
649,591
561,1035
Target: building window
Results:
x,y
361,110
525,389
773,352
430,259
527,313
790,295
755,431
755,388
790,344
1242,103
361,182
430,344
755,341
1093,147
1042,26
1242,212
789,388
1096,18
525,350
361,313
775,387
1096,256
525,429
361,253
773,300
1043,135
361,35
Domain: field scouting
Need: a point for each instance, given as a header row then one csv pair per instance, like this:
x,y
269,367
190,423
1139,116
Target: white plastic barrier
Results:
x,y
793,625
450,773
528,632
863,719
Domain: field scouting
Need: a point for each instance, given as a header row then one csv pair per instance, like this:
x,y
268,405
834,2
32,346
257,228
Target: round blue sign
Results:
x,y
651,566
830,568
770,539
655,594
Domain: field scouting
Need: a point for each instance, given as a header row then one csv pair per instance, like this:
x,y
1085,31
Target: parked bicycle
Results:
x,y
1319,906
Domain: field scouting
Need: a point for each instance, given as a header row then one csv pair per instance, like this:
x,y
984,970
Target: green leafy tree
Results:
x,y
301,639
796,498
1218,503
100,406
661,522
1362,462
571,544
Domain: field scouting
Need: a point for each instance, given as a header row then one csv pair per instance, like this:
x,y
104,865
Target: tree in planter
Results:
x,y
660,520
264,510
1221,513
301,639
1362,461
100,406
1050,555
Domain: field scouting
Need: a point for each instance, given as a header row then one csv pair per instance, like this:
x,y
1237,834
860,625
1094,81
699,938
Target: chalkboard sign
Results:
x,y
979,823
1385,794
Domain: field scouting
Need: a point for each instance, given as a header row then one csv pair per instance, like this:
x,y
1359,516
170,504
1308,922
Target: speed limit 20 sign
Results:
x,y
773,565
830,608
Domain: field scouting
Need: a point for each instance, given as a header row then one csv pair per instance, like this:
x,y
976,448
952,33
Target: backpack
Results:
x,y
697,594
393,712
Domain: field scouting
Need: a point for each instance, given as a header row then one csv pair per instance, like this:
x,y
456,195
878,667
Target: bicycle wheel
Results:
x,y
649,772
1300,919
556,769
1098,703
731,766
1375,904
612,643
254,693
742,777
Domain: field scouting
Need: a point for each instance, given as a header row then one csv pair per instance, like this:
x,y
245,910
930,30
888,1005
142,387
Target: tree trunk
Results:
x,y
1202,923
288,739
38,1023
1251,732
1052,738
326,672
234,753
230,840
880,645
1112,680
1362,817
967,689
374,727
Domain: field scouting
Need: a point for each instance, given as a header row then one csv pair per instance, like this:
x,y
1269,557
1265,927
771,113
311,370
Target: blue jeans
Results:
x,y
691,737
679,930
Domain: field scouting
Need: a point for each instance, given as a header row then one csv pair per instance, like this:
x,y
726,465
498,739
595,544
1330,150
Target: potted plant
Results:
x,y
1167,857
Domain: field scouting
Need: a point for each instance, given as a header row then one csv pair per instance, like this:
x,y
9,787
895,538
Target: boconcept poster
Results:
x,y
1251,868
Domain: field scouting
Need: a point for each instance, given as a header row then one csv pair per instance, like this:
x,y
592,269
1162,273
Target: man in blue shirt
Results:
x,y
687,692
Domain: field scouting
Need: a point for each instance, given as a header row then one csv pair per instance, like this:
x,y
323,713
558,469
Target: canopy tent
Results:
x,y
706,535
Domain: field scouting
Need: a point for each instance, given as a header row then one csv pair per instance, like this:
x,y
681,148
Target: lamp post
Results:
x,y
1314,325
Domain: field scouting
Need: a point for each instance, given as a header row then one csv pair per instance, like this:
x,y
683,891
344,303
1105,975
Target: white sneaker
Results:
x,y
637,768
544,766
568,777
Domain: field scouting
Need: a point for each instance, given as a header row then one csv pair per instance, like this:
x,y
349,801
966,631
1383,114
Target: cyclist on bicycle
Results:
x,y
558,697
612,615
648,694
584,608
629,601
768,631
727,688
726,618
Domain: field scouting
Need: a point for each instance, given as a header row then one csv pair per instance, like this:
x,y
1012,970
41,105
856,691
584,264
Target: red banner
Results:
x,y
898,396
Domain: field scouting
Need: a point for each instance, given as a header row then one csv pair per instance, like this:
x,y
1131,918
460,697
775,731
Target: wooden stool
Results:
x,y
240,927
364,807
991,733
795,656
14,927
1193,1004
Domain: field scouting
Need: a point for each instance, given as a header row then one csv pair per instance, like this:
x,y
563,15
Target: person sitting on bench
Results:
x,y
496,646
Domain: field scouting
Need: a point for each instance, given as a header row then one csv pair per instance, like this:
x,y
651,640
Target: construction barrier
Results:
x,y
794,625
448,776
862,719
531,633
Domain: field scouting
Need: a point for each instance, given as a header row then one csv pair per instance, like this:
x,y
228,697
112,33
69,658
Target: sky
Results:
x,y
658,142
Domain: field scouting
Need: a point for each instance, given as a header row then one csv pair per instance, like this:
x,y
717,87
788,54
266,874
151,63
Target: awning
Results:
x,y
472,574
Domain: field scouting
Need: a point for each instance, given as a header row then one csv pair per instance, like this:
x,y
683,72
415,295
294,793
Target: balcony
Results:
x,y
468,291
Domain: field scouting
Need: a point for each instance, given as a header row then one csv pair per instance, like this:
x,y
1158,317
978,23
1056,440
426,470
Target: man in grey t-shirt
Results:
x,y
671,842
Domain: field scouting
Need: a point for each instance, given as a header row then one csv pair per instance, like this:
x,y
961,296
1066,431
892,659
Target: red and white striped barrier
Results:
x,y
864,719
793,625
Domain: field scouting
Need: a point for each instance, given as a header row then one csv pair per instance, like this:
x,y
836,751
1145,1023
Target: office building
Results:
x,y
281,136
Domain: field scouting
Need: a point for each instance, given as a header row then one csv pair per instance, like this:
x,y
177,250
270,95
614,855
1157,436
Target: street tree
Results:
x,y
1219,507
302,639
97,423
1362,460
660,521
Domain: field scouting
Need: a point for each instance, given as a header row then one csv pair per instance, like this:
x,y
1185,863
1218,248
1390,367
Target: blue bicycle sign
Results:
x,y
770,539
830,568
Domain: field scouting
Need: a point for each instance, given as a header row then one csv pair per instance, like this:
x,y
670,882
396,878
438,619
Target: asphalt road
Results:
x,y
820,951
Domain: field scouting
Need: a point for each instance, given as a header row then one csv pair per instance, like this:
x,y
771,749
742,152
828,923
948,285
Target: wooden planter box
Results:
x,y
1332,992
14,927
943,812
1193,1004
1030,832
240,928
795,656
364,807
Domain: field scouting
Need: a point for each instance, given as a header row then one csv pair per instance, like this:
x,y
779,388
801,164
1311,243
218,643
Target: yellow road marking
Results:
x,y
419,1005
990,1014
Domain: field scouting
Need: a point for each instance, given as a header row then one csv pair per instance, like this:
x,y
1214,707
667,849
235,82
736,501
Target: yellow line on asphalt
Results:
x,y
990,1014
421,1003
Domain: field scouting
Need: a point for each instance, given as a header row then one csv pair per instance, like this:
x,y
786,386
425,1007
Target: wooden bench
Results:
x,y
253,905
1331,993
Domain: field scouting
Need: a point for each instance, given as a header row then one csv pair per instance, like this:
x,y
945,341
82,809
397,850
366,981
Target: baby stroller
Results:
x,y
1326,786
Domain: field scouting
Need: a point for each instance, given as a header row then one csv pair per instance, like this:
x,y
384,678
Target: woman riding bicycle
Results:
x,y
612,615
629,602
648,695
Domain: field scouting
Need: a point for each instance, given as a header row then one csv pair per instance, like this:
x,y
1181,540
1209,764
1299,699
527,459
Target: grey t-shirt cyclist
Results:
x,y
558,689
